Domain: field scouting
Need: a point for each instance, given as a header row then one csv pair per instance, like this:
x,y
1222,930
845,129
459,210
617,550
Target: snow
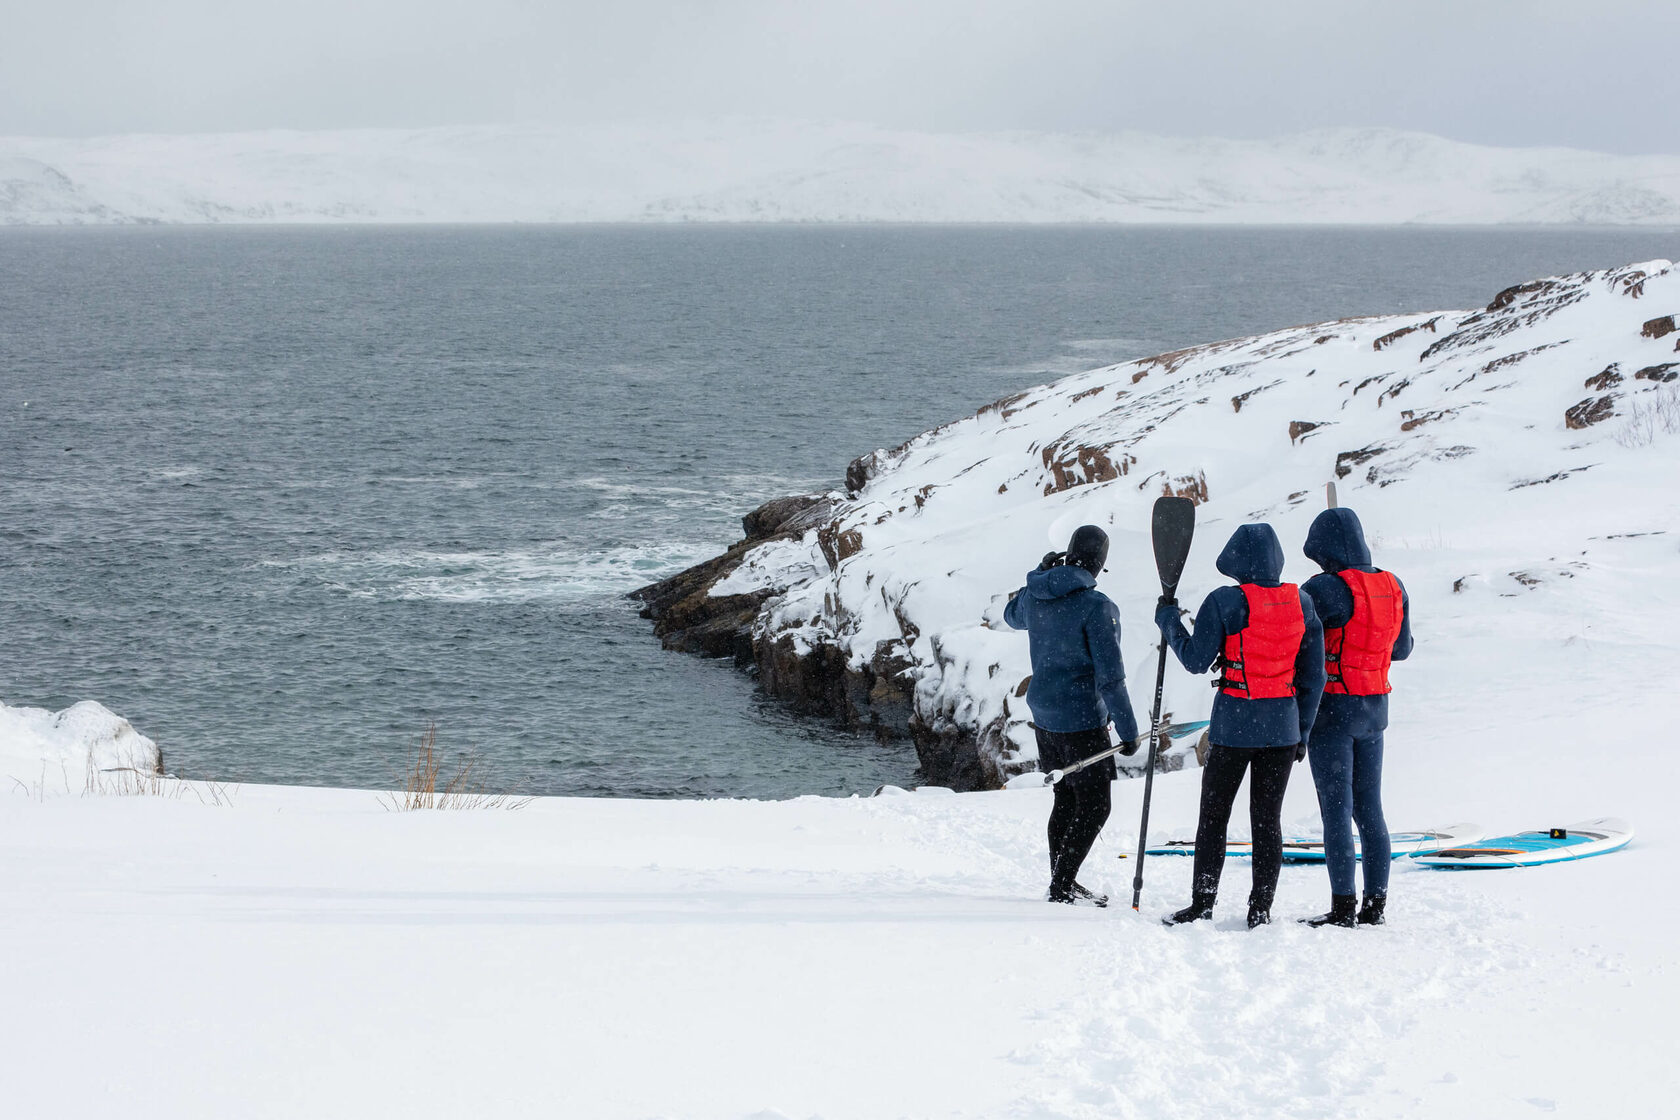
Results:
x,y
283,952
775,170
306,952
34,742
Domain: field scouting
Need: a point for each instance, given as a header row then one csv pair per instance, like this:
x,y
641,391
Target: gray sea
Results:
x,y
285,496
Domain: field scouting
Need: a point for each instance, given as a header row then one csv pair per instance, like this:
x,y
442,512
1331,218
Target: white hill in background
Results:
x,y
790,171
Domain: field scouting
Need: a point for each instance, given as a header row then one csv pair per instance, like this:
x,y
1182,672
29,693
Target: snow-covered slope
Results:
x,y
1515,465
777,170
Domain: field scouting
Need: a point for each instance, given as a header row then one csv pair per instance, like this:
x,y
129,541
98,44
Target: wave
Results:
x,y
559,574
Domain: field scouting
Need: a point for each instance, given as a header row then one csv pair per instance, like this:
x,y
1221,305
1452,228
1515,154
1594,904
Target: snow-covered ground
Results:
x,y
752,170
307,953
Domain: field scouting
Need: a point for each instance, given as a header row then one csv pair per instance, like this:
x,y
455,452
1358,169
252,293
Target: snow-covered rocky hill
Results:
x,y
1514,464
779,170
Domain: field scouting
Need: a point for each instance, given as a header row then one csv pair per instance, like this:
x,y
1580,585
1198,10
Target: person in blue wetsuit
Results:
x,y
1078,688
1266,639
1367,625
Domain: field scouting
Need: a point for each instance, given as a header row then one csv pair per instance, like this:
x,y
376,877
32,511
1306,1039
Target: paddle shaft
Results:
x,y
1149,771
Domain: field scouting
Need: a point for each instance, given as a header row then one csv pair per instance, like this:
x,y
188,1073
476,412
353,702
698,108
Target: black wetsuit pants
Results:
x,y
1082,801
1268,769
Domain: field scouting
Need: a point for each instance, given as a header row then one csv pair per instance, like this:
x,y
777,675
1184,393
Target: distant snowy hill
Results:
x,y
1514,464
787,171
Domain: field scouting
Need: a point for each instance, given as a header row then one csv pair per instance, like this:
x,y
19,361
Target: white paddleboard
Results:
x,y
1310,849
1528,849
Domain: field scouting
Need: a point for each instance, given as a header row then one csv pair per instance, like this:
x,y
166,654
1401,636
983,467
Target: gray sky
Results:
x,y
1602,74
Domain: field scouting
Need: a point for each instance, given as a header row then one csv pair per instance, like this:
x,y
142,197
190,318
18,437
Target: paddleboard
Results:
x,y
1310,849
1528,849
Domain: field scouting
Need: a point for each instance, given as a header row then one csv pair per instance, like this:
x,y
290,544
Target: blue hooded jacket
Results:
x,y
1253,555
1336,542
1073,633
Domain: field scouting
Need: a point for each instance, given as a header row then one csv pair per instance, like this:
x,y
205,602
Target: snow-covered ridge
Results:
x,y
778,170
1507,462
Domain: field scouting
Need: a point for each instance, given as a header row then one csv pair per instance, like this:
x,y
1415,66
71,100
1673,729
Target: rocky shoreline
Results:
x,y
876,697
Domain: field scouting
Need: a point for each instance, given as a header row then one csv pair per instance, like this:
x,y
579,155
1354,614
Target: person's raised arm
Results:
x,y
1196,652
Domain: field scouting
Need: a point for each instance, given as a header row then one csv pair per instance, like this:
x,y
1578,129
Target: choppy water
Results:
x,y
282,496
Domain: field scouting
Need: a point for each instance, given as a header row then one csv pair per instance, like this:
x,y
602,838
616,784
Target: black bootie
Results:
x,y
1371,914
1199,910
1259,913
1088,896
1341,913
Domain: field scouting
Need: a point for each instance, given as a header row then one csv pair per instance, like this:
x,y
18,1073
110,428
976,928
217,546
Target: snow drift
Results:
x,y
779,170
1513,464
69,742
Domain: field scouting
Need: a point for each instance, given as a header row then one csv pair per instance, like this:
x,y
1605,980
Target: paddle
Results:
x,y
1171,527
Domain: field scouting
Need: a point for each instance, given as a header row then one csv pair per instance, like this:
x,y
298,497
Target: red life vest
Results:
x,y
1357,655
1258,661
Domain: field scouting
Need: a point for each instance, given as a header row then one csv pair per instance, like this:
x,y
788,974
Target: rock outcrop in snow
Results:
x,y
1529,427
63,744
792,171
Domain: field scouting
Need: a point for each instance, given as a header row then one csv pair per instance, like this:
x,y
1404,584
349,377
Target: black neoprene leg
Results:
x,y
1221,778
1268,779
1092,801
1063,809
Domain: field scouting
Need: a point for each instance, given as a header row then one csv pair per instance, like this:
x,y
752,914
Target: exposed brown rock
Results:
x,y
1415,421
1656,328
1299,428
838,544
1091,392
860,470
786,516
1078,465
1392,337
1509,295
1610,375
1347,460
1590,411
1192,486
1660,374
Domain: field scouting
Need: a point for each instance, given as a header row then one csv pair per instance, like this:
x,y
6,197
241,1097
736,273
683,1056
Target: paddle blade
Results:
x,y
1172,526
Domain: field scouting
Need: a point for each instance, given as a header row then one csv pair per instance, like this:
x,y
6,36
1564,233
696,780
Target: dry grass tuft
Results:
x,y
461,789
1651,415
126,781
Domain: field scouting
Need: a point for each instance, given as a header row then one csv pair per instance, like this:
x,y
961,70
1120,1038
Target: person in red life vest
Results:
x,y
1267,641
1367,624
1078,688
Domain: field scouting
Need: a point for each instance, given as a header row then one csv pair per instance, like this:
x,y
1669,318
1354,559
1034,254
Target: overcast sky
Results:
x,y
1601,74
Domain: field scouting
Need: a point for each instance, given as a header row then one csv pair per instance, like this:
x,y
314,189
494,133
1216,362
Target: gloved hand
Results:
x,y
1166,601
1301,752
1130,746
1166,613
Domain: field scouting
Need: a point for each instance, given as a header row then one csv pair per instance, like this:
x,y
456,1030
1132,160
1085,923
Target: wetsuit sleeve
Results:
x,y
1196,652
1403,644
1015,613
1102,639
1309,667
